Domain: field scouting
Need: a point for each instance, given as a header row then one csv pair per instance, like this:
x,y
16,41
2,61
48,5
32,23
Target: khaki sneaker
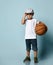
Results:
x,y
35,60
27,59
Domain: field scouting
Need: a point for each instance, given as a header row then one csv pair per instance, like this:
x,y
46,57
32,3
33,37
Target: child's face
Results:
x,y
29,15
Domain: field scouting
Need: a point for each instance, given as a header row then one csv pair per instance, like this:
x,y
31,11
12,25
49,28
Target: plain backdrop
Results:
x,y
12,42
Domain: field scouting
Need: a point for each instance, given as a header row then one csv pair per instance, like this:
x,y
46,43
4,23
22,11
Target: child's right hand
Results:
x,y
24,18
25,14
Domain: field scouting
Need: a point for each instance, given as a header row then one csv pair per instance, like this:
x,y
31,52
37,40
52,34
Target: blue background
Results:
x,y
12,43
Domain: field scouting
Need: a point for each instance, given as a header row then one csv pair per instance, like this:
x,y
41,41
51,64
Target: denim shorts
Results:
x,y
31,42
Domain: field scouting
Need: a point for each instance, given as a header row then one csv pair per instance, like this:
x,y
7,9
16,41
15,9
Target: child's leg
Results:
x,y
34,47
27,58
35,57
28,48
35,53
28,53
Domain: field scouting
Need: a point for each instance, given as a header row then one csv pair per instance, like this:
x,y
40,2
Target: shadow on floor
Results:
x,y
46,46
27,63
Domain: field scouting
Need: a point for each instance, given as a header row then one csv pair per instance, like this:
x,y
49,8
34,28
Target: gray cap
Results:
x,y
29,11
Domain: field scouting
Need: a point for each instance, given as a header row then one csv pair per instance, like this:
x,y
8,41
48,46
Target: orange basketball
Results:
x,y
40,28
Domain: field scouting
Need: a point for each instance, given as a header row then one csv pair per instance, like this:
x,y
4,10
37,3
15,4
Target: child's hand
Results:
x,y
25,14
38,22
24,18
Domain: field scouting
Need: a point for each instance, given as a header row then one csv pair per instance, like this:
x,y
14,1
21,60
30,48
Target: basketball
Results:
x,y
40,29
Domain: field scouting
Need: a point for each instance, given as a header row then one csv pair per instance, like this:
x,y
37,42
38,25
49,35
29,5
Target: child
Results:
x,y
30,35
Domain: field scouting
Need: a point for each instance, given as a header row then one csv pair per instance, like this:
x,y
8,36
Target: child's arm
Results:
x,y
37,22
23,19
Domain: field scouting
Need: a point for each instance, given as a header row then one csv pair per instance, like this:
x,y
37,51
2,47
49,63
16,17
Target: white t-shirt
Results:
x,y
29,30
